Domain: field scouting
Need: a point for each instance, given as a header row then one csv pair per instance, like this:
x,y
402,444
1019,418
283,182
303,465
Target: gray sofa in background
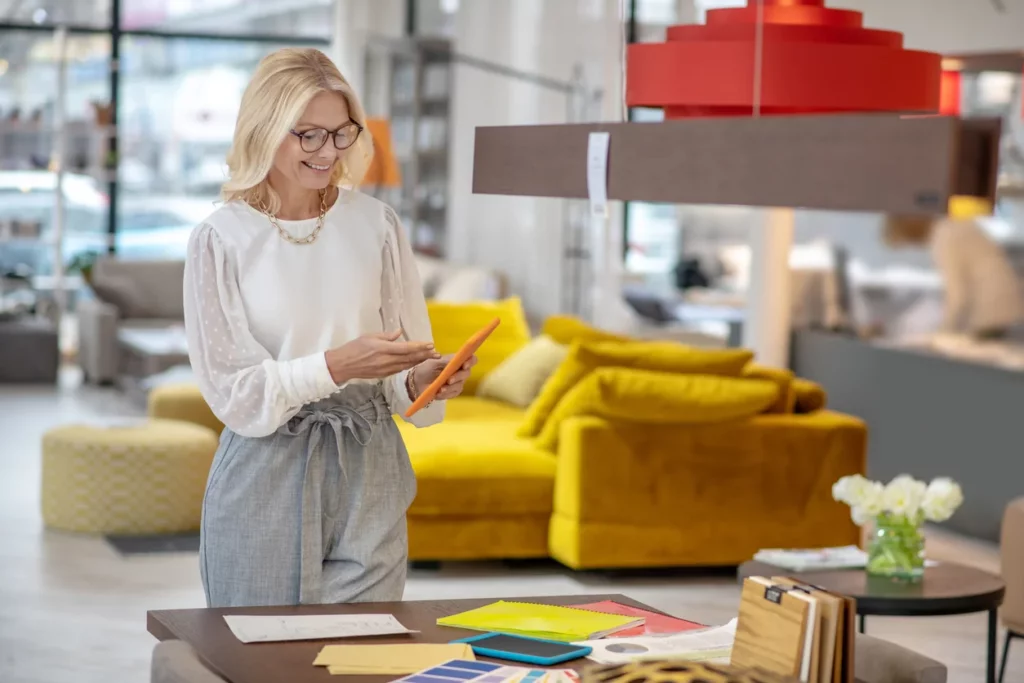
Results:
x,y
128,294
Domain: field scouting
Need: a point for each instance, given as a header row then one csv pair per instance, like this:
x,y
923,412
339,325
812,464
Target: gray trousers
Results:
x,y
314,513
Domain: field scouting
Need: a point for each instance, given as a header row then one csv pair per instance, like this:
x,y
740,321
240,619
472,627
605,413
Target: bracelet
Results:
x,y
410,387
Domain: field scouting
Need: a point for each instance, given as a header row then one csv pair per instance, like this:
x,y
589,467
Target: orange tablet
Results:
x,y
457,361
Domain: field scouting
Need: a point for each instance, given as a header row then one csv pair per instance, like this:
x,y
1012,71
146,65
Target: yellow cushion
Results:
x,y
783,378
453,323
566,329
518,379
478,468
809,396
665,356
659,397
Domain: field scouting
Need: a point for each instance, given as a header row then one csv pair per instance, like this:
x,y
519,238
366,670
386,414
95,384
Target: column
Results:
x,y
767,326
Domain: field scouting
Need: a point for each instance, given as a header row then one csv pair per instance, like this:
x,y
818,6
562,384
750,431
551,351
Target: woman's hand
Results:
x,y
427,371
374,356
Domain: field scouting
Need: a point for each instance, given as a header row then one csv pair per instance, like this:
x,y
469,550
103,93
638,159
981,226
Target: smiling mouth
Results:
x,y
319,168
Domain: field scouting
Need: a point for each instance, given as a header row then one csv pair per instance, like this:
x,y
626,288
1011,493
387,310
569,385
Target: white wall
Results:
x,y
946,25
522,236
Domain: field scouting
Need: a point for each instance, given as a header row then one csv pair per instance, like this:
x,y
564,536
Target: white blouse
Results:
x,y
261,311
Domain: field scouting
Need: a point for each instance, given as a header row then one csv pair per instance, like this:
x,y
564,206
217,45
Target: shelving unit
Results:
x,y
417,100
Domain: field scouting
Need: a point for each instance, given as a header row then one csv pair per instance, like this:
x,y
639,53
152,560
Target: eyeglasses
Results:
x,y
313,139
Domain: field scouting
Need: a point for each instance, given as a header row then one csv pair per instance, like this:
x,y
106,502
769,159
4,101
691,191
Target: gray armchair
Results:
x,y
129,294
176,662
879,661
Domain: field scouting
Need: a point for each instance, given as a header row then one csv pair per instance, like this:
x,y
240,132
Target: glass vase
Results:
x,y
896,550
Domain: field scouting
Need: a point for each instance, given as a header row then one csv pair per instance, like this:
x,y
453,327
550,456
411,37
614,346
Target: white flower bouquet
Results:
x,y
898,509
904,500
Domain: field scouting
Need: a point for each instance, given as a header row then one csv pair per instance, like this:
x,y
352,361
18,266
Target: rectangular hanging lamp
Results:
x,y
873,162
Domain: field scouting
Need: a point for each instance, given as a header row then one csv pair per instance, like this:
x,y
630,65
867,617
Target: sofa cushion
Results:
x,y
453,323
786,402
584,357
519,378
478,468
566,329
809,396
659,397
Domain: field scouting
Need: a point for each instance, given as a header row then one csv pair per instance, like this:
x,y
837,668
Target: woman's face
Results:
x,y
327,111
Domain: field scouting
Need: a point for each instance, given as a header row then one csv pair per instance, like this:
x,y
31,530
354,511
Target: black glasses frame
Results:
x,y
330,134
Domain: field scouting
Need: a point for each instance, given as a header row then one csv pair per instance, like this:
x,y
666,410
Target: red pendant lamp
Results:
x,y
949,97
814,60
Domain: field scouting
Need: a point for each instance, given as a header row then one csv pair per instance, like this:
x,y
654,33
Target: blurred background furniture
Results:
x,y
30,351
1011,550
130,295
139,478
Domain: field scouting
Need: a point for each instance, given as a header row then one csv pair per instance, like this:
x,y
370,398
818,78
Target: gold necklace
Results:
x,y
311,237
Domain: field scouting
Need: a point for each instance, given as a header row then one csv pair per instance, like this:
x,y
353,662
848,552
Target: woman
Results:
x,y
307,329
982,291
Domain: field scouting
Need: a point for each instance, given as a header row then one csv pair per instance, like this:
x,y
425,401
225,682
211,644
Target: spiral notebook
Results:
x,y
532,620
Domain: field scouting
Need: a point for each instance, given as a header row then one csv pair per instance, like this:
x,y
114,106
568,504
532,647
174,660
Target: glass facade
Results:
x,y
183,67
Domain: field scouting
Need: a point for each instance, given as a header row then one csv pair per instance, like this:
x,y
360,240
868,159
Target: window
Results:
x,y
287,18
94,13
179,101
29,72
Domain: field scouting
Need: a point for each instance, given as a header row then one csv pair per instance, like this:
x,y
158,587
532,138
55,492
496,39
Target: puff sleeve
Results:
x,y
404,307
248,390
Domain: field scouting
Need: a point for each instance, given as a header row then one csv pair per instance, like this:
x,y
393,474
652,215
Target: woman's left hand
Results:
x,y
427,371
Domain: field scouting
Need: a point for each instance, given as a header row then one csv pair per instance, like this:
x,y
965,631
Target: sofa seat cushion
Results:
x,y
478,468
466,408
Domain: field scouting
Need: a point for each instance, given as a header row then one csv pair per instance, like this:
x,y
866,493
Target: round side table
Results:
x,y
946,589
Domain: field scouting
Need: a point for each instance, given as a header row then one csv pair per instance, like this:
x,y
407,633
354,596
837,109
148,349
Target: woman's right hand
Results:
x,y
374,356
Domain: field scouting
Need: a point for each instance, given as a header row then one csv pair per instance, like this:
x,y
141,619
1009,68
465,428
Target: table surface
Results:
x,y
947,588
206,631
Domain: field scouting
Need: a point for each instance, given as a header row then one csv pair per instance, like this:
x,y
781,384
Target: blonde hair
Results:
x,y
901,231
284,83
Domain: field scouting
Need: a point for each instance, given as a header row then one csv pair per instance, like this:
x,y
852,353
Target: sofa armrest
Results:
x,y
879,661
97,339
631,473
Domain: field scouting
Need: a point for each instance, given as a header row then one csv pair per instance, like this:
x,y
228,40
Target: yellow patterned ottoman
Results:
x,y
142,478
182,402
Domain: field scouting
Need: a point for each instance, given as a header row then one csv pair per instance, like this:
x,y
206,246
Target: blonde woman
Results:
x,y
307,330
981,290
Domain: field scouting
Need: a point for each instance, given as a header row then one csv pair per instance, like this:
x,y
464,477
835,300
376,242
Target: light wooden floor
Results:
x,y
73,611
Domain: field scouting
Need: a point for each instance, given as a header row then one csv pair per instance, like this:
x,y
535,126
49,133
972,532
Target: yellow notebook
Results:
x,y
552,622
397,659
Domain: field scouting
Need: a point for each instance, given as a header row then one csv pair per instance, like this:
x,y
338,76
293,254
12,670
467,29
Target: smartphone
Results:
x,y
523,649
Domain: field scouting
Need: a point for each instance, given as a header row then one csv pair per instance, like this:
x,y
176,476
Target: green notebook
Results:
x,y
551,622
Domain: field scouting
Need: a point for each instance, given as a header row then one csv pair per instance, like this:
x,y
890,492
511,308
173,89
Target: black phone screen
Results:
x,y
524,646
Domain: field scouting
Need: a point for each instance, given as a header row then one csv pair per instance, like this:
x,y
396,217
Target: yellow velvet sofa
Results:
x,y
634,466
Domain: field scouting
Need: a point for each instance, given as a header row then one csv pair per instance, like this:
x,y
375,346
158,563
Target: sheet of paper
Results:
x,y
405,658
265,629
712,644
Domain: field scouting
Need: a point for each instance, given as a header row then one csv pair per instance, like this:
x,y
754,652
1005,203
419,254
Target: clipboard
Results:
x,y
457,361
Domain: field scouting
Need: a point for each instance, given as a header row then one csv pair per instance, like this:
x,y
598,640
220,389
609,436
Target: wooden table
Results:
x,y
946,589
206,631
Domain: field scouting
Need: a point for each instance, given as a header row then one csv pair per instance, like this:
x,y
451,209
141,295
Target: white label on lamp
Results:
x,y
597,173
